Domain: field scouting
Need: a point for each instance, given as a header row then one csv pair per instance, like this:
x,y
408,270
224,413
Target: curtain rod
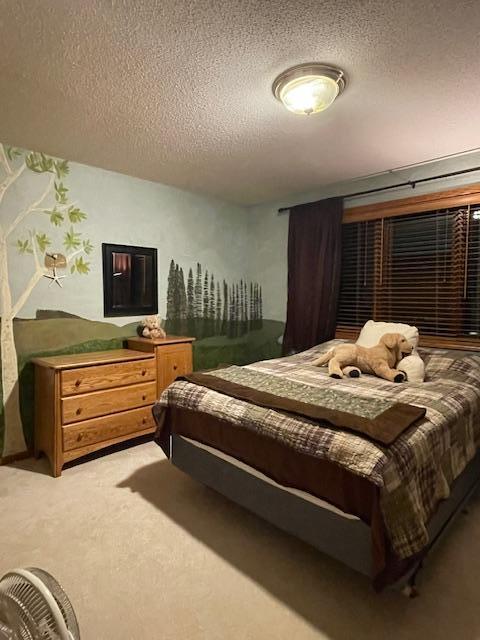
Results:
x,y
409,183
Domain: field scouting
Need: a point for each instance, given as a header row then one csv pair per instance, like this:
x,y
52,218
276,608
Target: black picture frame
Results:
x,y
138,294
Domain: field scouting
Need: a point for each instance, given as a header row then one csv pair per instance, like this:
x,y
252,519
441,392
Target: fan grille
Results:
x,y
24,608
61,599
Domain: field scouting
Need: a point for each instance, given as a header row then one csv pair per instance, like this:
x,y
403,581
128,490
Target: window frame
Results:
x,y
425,202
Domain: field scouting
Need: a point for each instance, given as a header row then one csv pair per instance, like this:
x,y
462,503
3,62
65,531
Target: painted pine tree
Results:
x,y
52,211
245,307
190,303
171,314
206,305
231,313
240,311
224,330
218,310
251,323
176,298
198,302
244,310
260,308
171,311
198,293
182,303
255,307
211,310
237,311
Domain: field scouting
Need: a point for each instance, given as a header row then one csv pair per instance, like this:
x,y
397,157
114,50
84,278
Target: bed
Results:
x,y
365,470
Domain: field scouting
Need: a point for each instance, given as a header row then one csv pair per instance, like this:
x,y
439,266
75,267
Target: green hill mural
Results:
x,y
58,333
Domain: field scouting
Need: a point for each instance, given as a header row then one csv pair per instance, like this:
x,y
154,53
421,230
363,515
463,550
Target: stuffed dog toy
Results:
x,y
381,360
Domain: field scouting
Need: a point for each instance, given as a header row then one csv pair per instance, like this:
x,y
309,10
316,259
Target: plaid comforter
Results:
x,y
414,473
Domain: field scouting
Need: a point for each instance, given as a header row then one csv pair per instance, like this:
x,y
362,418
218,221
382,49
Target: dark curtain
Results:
x,y
314,264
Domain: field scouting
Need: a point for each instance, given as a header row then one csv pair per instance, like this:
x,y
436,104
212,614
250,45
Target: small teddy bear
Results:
x,y
152,328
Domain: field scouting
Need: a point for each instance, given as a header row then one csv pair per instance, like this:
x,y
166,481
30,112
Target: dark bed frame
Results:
x,y
347,540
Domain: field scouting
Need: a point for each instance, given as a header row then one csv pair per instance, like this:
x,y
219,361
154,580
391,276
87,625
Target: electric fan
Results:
x,y
33,606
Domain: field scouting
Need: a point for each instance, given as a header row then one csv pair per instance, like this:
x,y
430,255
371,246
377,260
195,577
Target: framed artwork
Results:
x,y
130,285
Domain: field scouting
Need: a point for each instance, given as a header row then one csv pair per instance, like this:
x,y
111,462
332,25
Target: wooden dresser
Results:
x,y
173,356
88,401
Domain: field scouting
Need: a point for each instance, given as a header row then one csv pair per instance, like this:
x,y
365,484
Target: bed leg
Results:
x,y
410,589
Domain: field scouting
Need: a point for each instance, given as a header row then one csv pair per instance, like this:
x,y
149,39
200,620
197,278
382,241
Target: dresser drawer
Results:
x,y
173,361
106,376
89,432
100,403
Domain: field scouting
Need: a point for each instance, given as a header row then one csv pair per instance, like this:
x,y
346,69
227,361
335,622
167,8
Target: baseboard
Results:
x,y
15,457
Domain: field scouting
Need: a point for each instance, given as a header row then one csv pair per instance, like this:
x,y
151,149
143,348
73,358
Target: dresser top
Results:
x,y
94,357
160,341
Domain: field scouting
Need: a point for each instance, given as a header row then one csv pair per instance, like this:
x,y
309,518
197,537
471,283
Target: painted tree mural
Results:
x,y
210,308
50,211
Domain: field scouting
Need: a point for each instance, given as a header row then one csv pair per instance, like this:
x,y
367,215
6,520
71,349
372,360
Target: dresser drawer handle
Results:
x,y
144,421
144,372
79,437
78,411
175,367
144,397
78,383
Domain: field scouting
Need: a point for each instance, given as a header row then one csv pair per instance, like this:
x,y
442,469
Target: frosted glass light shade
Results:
x,y
308,89
310,94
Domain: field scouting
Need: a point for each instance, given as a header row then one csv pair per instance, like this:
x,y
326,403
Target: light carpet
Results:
x,y
144,552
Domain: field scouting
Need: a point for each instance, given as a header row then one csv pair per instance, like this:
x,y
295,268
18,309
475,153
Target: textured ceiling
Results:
x,y
179,91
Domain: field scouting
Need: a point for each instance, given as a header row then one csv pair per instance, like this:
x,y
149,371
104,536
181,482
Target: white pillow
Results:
x,y
372,332
413,367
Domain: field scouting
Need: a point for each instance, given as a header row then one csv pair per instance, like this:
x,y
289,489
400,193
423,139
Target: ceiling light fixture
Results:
x,y
309,88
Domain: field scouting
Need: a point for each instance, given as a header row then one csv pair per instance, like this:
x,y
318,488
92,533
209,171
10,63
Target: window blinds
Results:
x,y
422,269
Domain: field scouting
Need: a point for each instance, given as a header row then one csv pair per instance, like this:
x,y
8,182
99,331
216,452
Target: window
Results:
x,y
422,269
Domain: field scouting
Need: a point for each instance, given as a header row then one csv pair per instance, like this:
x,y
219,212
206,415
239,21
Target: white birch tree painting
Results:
x,y
50,210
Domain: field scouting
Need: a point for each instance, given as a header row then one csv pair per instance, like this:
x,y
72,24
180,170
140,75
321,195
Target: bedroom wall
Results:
x,y
187,228
268,230
239,245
